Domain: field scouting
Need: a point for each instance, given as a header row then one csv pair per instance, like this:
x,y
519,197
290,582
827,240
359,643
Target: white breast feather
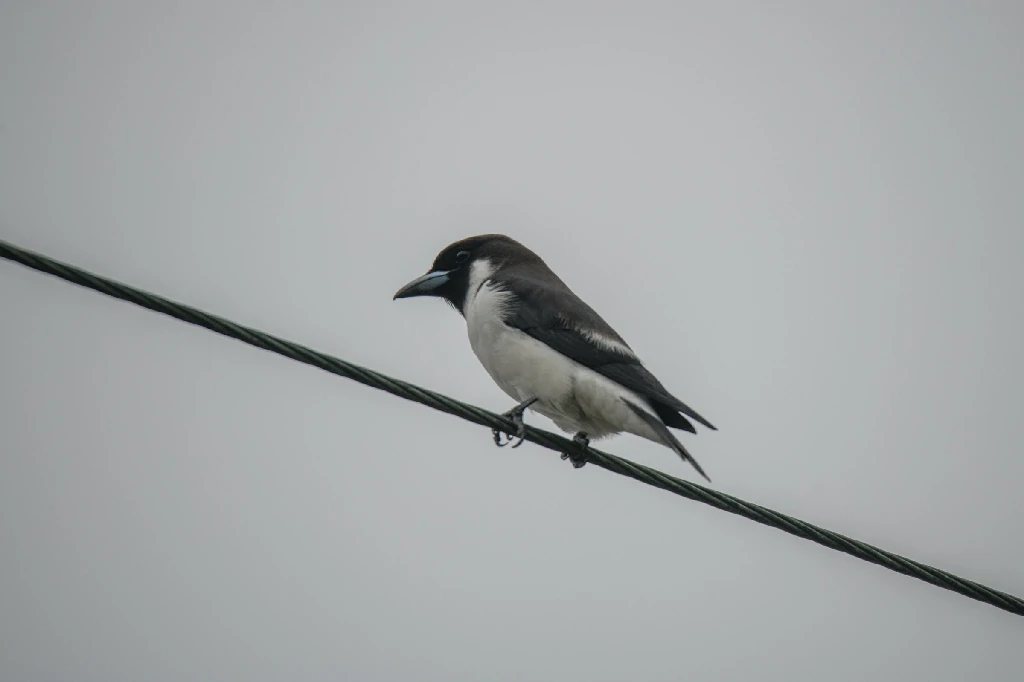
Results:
x,y
575,397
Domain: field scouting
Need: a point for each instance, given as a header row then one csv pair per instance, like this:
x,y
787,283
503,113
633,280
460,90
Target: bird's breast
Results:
x,y
521,366
574,397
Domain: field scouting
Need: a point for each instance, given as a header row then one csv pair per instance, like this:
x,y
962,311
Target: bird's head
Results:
x,y
450,275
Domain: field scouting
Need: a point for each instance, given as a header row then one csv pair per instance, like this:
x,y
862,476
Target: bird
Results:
x,y
550,351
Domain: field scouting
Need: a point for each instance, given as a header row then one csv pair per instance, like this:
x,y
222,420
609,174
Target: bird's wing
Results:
x,y
579,333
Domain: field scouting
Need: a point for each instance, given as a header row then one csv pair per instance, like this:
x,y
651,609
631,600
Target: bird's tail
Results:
x,y
666,436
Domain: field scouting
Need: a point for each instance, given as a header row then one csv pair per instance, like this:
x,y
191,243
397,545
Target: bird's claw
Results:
x,y
519,436
579,457
514,439
516,415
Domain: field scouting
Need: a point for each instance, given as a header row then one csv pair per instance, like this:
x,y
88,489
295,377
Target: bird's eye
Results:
x,y
462,256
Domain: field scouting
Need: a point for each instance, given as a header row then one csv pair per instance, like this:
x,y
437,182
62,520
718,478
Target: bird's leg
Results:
x,y
578,459
516,415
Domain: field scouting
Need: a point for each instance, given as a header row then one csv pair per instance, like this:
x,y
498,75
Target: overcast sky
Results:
x,y
805,217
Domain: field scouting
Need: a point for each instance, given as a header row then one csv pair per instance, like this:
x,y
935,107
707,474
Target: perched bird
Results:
x,y
549,350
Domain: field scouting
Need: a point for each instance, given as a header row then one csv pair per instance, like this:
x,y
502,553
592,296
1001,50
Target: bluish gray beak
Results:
x,y
423,286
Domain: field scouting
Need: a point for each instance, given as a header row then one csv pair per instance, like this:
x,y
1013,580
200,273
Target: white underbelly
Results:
x,y
575,397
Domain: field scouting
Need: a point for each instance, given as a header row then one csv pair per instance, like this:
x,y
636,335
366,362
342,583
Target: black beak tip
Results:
x,y
404,292
426,285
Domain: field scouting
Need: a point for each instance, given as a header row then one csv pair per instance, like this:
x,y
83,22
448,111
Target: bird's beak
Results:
x,y
425,285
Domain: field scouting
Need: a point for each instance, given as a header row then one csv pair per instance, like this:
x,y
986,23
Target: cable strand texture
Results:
x,y
477,415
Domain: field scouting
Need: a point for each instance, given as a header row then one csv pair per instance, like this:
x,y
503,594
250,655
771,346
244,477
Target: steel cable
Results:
x,y
549,440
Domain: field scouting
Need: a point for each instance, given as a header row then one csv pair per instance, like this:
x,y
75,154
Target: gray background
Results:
x,y
806,218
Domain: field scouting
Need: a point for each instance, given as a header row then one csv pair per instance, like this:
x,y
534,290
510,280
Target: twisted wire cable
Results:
x,y
477,415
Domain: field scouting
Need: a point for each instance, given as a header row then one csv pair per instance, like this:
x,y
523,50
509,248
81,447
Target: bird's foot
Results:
x,y
516,415
579,457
